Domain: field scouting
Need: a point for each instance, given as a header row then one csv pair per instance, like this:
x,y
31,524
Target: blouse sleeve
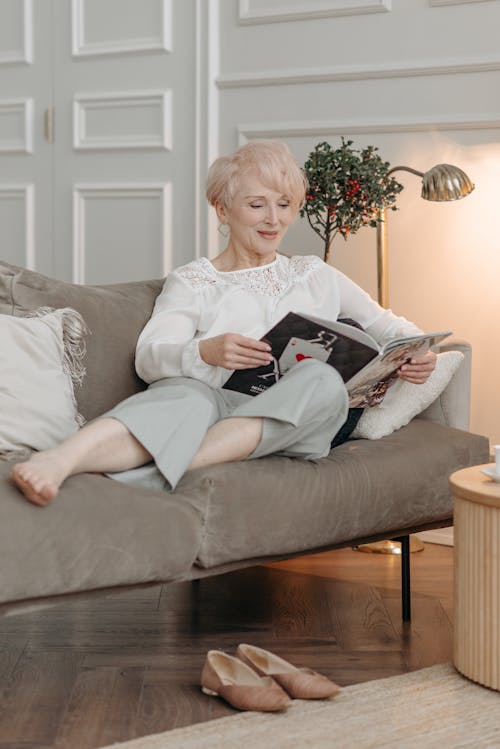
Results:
x,y
167,346
382,324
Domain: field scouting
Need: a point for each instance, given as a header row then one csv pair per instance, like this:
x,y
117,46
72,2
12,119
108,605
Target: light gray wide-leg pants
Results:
x,y
301,414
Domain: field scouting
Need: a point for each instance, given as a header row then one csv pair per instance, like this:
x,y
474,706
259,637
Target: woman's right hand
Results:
x,y
234,351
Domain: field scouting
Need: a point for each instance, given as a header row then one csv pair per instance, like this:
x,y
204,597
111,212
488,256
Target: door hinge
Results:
x,y
48,120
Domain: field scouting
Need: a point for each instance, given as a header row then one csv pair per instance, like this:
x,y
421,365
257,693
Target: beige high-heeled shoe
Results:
x,y
299,683
230,678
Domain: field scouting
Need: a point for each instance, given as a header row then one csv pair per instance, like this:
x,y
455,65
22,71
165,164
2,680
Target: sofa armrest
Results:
x,y
452,408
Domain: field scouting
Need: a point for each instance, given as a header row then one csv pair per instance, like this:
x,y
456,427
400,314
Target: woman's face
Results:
x,y
258,218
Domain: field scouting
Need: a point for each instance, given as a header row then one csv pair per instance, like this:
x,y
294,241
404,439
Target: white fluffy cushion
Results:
x,y
403,401
40,360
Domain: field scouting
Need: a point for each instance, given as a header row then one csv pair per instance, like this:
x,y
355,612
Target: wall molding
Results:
x,y
84,103
81,47
25,53
336,74
249,13
161,191
199,67
207,67
24,108
316,128
26,193
436,3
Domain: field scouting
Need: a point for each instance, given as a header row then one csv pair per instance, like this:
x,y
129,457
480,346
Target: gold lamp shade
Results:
x,y
445,182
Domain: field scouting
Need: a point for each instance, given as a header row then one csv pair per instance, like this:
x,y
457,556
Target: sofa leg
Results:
x,y
405,577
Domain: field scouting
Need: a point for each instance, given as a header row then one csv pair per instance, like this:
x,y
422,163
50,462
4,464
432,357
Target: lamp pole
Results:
x,y
382,252
382,259
442,183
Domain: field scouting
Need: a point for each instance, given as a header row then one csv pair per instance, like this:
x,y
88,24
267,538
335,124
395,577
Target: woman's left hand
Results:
x,y
418,369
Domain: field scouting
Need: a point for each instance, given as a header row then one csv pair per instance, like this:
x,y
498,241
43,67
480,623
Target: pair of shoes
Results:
x,y
259,680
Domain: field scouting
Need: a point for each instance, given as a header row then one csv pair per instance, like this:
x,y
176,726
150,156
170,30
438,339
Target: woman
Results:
x,y
207,322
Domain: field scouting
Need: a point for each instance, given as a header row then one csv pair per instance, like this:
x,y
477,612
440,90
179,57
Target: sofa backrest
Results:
x,y
115,315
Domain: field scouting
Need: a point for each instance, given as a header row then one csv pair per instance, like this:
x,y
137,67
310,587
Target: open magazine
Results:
x,y
366,368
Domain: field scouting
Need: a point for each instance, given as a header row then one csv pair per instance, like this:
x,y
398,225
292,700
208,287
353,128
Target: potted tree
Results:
x,y
347,188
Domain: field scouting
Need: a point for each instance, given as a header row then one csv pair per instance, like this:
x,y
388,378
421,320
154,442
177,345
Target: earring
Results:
x,y
225,232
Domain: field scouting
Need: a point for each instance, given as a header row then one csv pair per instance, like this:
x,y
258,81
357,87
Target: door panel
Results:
x,y
129,223
25,154
117,26
17,223
103,190
16,38
124,133
139,119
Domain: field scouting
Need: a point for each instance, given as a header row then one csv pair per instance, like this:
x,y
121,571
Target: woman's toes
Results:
x,y
34,487
47,493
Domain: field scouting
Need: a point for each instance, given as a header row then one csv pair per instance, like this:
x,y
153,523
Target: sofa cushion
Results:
x,y
97,533
278,505
115,315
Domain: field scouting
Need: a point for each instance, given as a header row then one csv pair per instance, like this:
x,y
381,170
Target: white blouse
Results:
x,y
197,301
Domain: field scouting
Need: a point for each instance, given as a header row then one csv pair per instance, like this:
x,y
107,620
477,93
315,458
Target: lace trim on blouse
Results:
x,y
270,280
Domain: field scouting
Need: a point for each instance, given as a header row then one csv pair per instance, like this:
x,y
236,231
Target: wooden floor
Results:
x,y
87,673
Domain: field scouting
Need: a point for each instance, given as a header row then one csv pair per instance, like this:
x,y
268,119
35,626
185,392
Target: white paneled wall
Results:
x,y
16,37
123,153
17,220
420,79
115,28
143,212
262,11
103,114
25,160
16,125
131,119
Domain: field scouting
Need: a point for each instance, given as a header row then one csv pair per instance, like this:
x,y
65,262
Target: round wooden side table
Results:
x,y
477,576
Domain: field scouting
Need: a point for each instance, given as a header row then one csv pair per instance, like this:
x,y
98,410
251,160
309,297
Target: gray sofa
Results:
x,y
100,533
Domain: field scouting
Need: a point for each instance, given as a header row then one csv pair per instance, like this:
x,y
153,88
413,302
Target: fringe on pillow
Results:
x,y
16,456
74,330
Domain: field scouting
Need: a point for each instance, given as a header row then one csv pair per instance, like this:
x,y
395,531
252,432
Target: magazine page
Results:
x,y
357,334
297,337
368,386
428,339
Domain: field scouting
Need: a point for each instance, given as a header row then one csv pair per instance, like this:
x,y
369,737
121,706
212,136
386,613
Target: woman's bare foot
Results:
x,y
40,477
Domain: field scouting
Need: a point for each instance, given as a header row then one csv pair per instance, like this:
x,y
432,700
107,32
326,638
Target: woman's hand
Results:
x,y
234,351
418,369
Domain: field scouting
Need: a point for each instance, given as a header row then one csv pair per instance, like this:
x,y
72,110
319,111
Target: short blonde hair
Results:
x,y
273,163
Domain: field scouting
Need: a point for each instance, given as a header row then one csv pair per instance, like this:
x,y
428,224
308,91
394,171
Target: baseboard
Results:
x,y
443,536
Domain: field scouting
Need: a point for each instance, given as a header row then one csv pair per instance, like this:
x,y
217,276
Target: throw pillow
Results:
x,y
40,362
115,313
403,401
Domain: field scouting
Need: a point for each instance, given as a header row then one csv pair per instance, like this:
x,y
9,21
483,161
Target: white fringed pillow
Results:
x,y
41,359
403,401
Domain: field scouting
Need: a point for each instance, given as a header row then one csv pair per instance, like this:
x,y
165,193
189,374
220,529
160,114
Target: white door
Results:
x,y
112,194
25,155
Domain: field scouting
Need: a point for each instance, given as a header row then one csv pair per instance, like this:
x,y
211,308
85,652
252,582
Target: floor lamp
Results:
x,y
442,183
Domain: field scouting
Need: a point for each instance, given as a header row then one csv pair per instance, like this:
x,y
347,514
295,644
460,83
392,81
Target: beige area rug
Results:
x,y
432,708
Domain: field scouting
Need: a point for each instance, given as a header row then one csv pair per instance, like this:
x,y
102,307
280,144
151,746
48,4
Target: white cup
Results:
x,y
496,448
